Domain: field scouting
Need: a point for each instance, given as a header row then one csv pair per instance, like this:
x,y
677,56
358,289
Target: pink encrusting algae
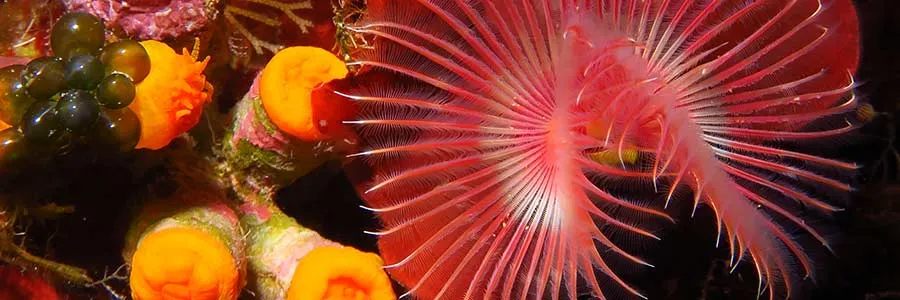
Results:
x,y
483,177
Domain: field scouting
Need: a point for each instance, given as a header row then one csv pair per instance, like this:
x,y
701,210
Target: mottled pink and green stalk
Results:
x,y
480,145
276,243
259,158
214,217
198,200
190,243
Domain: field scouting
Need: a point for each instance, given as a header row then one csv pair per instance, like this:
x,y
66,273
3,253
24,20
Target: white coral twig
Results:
x,y
231,13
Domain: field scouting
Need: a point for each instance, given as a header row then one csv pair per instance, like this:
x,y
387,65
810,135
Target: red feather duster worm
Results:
x,y
483,177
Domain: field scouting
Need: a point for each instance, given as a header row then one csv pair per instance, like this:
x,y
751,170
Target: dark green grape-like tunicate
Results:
x,y
77,110
115,91
13,149
127,57
77,33
44,77
84,72
14,97
119,128
40,123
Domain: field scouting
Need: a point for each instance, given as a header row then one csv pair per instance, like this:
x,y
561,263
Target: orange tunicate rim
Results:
x,y
340,273
183,263
169,101
286,85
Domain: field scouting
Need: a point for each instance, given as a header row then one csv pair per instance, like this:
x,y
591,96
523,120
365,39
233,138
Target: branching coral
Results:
x,y
232,13
348,42
16,211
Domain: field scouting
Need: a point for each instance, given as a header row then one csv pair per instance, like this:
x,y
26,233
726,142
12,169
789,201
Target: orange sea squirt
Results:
x,y
169,101
286,87
183,263
340,273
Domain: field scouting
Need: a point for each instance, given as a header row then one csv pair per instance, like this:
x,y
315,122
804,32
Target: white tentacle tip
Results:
x,y
393,265
364,153
352,97
369,208
375,233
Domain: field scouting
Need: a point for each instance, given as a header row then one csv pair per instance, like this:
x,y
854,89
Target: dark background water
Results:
x,y
867,264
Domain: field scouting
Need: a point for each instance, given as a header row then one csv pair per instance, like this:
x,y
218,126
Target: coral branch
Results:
x,y
189,243
233,12
15,254
259,158
289,261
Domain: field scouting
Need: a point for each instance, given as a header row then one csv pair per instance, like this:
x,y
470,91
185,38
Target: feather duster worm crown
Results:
x,y
482,148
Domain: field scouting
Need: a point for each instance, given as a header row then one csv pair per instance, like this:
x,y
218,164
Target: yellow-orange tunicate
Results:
x,y
183,263
286,85
169,101
340,273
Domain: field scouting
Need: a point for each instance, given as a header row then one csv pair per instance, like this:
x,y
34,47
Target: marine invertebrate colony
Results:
x,y
284,128
286,90
170,99
482,151
150,19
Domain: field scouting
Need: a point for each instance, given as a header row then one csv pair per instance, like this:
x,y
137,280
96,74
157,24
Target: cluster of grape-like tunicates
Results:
x,y
79,95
